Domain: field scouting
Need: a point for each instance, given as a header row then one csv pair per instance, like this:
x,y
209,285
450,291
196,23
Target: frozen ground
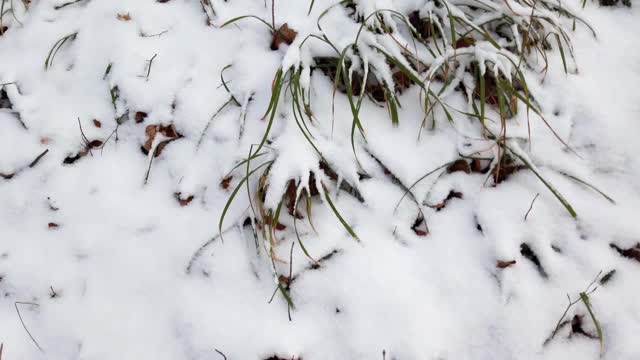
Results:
x,y
98,263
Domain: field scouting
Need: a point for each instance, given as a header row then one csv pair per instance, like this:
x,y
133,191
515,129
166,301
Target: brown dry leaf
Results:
x,y
420,226
422,26
97,123
459,165
53,225
45,140
151,131
226,182
183,201
502,172
124,17
283,35
503,264
452,195
402,81
291,196
465,42
168,131
630,253
140,116
284,281
94,144
477,166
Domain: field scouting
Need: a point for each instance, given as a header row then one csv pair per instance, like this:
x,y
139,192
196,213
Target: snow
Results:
x,y
112,261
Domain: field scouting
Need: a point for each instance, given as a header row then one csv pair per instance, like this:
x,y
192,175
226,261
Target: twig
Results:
x,y
35,161
151,153
203,247
531,206
560,323
150,61
288,287
22,321
58,7
211,120
218,351
153,35
273,14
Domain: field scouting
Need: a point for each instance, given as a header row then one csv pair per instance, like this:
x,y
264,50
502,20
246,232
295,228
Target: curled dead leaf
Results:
x,y
465,42
459,165
168,131
182,200
283,35
140,116
630,253
226,182
503,264
124,17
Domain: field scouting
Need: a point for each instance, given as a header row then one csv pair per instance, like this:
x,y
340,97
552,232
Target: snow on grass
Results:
x,y
123,143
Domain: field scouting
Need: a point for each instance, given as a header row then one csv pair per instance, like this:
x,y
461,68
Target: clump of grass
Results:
x,y
483,50
445,46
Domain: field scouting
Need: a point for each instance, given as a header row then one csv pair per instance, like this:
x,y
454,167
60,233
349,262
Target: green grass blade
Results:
x,y
585,299
589,186
393,108
231,21
235,192
224,84
555,192
561,48
304,249
337,213
482,97
311,7
275,97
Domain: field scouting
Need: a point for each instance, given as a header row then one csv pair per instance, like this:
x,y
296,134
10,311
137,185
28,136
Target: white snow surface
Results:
x,y
117,260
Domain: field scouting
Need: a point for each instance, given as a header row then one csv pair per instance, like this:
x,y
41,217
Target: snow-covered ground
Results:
x,y
110,255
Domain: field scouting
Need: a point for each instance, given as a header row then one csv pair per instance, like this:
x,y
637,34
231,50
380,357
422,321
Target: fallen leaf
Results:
x,y
630,253
183,201
97,123
283,35
140,116
124,17
503,264
452,195
151,131
226,182
480,166
94,144
291,195
53,225
459,165
465,42
420,226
